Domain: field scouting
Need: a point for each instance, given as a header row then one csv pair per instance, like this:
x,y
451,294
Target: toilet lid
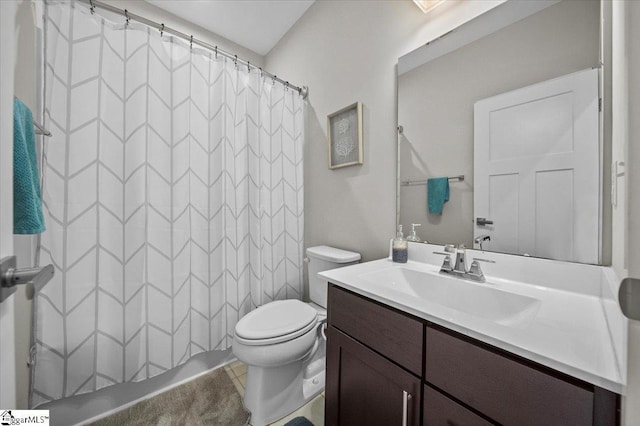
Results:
x,y
275,319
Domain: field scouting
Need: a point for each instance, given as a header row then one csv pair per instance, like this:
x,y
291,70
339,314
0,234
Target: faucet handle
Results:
x,y
478,259
450,248
475,272
446,265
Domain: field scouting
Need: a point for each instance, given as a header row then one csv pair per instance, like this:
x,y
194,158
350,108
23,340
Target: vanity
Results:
x,y
408,345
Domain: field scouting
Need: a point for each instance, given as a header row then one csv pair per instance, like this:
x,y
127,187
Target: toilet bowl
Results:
x,y
283,344
278,333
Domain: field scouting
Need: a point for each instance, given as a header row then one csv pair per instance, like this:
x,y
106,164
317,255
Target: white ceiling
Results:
x,y
255,24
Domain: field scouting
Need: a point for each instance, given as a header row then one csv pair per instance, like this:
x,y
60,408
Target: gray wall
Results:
x,y
345,52
435,105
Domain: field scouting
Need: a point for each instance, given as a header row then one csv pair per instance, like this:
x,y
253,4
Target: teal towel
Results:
x,y
437,194
27,204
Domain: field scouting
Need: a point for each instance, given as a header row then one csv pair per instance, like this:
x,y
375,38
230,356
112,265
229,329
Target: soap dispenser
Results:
x,y
399,247
413,237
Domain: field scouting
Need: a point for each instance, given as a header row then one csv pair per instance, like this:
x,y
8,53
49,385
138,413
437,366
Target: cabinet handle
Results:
x,y
406,396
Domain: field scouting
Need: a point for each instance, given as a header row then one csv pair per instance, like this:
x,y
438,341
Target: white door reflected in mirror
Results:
x,y
536,150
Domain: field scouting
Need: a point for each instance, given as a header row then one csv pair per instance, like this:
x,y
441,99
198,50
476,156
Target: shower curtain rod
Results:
x,y
302,91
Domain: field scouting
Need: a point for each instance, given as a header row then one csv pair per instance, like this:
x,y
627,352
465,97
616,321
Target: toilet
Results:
x,y
283,344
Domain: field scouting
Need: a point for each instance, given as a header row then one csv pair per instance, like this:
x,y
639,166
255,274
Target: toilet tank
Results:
x,y
323,258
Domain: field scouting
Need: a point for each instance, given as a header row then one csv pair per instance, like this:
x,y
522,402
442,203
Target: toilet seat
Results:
x,y
276,322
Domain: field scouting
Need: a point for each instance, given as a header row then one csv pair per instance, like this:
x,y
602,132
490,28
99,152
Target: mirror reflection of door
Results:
x,y
536,157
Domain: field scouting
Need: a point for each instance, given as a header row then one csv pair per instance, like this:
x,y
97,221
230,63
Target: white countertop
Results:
x,y
577,332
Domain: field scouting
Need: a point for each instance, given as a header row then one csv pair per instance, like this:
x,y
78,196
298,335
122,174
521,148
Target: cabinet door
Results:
x,y
364,388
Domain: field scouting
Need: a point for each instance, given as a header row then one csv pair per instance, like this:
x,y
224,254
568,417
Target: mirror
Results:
x,y
508,64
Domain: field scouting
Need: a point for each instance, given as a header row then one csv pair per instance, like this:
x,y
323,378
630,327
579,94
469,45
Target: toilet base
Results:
x,y
272,393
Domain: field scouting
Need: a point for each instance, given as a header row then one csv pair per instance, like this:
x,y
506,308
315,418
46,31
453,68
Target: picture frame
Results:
x,y
344,136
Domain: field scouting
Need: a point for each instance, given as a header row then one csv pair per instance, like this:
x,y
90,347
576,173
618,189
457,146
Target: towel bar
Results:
x,y
459,178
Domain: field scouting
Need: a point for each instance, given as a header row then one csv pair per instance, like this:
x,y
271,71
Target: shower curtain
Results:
x,y
173,197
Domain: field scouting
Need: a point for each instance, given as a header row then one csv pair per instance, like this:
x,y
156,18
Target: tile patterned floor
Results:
x,y
313,410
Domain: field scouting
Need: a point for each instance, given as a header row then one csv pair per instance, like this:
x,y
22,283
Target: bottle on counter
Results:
x,y
413,236
399,248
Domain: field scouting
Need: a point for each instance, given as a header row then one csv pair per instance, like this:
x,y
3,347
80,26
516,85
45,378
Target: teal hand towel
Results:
x,y
437,194
27,203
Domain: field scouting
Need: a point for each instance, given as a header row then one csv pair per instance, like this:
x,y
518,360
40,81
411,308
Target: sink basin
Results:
x,y
478,300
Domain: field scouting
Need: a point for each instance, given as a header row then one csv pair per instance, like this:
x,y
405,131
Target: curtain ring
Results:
x,y
286,84
248,67
126,14
191,43
261,72
216,52
161,30
235,61
93,7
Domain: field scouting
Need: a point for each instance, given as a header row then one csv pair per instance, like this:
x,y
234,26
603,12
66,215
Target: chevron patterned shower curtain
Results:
x,y
173,197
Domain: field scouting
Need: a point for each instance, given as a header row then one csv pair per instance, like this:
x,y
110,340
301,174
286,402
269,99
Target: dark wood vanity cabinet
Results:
x,y
369,383
381,362
369,390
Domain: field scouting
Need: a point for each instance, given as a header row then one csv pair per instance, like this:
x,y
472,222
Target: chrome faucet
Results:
x,y
481,239
460,266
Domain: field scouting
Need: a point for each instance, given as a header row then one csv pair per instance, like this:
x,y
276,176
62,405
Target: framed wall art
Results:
x,y
344,131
